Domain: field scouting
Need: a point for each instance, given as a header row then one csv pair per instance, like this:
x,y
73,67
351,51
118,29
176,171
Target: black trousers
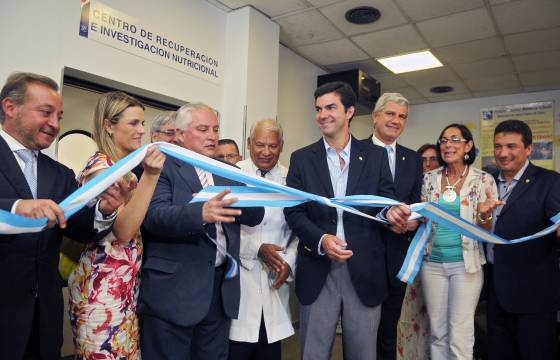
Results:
x,y
390,314
519,336
260,350
207,340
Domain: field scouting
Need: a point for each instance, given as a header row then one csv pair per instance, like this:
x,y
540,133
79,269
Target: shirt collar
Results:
x,y
378,142
13,144
272,171
345,153
518,175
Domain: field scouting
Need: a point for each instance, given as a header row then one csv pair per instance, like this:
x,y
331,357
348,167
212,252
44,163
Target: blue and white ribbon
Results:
x,y
265,192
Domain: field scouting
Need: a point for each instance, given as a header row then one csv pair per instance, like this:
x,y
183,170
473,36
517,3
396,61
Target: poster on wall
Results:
x,y
540,118
111,27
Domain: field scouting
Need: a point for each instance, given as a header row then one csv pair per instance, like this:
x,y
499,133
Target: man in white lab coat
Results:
x,y
268,256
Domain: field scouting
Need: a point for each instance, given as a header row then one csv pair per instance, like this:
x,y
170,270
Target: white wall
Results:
x,y
297,80
43,38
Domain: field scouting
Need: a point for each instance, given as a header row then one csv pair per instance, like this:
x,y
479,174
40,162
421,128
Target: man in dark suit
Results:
x,y
31,184
523,279
341,258
185,302
389,118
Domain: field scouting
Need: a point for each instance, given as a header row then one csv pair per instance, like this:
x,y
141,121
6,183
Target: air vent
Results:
x,y
362,15
441,89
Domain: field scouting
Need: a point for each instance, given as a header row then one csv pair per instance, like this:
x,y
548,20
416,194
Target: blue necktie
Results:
x,y
28,157
389,149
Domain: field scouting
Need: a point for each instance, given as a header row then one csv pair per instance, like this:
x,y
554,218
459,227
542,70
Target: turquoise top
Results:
x,y
446,244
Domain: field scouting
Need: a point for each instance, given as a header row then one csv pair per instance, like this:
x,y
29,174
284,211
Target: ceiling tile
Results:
x,y
458,88
537,62
534,41
390,15
458,28
449,97
536,88
409,93
471,51
271,8
497,92
395,41
437,76
551,77
485,68
319,3
391,81
332,52
418,101
428,9
371,67
496,2
493,83
305,28
526,15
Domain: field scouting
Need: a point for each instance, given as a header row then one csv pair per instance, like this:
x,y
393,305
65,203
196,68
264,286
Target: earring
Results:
x,y
467,157
110,135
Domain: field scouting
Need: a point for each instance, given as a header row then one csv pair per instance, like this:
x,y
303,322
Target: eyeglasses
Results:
x,y
429,159
453,140
167,132
227,156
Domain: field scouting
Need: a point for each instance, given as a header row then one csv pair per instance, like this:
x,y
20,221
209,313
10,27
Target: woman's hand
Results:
x,y
486,207
153,161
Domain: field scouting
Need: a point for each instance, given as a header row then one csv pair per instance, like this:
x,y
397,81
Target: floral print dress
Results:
x,y
103,290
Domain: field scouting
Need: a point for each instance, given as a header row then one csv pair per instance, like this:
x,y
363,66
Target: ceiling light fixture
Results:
x,y
362,15
420,60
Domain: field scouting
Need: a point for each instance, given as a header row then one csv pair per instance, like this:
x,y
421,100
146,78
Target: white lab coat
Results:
x,y
257,295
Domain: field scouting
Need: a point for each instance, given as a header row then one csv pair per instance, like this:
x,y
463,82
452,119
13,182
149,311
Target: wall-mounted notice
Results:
x,y
540,118
106,25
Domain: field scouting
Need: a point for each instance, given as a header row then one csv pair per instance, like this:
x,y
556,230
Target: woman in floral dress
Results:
x,y
104,286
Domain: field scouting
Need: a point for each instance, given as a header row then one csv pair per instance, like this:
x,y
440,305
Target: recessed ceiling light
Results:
x,y
362,15
442,89
420,60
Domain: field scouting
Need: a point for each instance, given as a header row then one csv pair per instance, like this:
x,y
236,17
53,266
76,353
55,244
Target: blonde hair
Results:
x,y
110,107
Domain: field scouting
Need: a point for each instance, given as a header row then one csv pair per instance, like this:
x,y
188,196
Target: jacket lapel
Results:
x,y
521,187
45,179
10,168
189,175
357,163
321,167
400,166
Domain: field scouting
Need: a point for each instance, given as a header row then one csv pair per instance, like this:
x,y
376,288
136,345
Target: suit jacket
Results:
x,y
408,187
178,272
526,275
29,262
368,174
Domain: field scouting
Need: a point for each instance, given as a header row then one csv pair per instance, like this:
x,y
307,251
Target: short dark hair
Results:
x,y
425,147
16,87
467,135
342,89
228,141
517,127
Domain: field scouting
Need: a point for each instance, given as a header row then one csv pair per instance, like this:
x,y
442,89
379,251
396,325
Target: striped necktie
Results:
x,y
28,157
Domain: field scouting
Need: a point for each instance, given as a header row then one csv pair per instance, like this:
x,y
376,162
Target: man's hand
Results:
x,y
268,253
282,276
216,209
41,208
412,225
336,249
398,218
112,198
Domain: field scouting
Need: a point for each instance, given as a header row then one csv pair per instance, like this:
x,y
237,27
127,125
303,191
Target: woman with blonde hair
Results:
x,y
104,286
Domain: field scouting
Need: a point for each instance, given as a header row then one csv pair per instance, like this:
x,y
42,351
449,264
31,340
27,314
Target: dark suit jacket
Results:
x,y
29,262
408,186
526,275
178,272
368,174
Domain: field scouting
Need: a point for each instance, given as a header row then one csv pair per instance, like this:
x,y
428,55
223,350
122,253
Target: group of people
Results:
x,y
151,281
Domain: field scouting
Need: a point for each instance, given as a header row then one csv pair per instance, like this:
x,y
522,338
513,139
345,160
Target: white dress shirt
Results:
x,y
257,295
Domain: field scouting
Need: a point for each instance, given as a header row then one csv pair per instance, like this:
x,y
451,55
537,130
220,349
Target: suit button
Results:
x,y
211,263
333,221
34,291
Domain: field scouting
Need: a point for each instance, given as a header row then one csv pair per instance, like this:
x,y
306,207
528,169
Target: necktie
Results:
x,y
389,149
202,177
263,172
28,157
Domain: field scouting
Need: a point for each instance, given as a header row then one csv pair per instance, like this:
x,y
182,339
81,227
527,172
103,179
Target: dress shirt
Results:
x,y
393,145
504,191
220,236
100,222
257,295
339,179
